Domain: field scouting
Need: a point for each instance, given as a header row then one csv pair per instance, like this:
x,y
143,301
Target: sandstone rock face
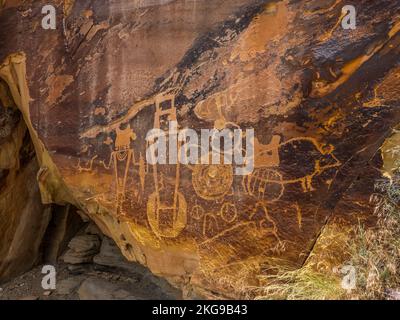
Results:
x,y
23,217
321,100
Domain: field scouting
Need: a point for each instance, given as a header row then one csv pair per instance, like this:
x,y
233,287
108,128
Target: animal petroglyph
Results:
x,y
298,160
303,158
88,167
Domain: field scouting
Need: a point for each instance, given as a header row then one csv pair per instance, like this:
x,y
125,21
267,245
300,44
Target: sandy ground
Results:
x,y
28,286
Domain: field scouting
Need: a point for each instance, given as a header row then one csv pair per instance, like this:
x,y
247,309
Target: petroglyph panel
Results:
x,y
319,99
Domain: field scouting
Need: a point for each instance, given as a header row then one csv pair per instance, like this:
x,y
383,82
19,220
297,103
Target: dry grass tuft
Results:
x,y
302,284
374,253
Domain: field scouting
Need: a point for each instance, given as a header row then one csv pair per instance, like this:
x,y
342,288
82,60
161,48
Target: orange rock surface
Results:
x,y
321,100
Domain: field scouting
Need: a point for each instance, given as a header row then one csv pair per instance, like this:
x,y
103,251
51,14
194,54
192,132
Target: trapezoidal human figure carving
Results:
x,y
166,206
121,159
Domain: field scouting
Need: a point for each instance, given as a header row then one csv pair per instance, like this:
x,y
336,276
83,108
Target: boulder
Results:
x,y
110,256
85,244
82,249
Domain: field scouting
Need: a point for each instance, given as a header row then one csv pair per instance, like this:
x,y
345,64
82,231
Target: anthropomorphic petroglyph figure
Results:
x,y
166,206
122,157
